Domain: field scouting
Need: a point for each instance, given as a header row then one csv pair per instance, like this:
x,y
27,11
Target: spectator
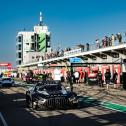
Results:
x,y
109,41
68,77
81,78
71,81
99,79
106,41
85,76
44,77
100,44
115,78
112,39
50,76
76,75
107,78
57,75
1,75
82,48
97,43
119,37
87,45
103,42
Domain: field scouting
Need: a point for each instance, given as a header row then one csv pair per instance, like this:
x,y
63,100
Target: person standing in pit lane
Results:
x,y
107,78
115,78
99,79
81,78
76,75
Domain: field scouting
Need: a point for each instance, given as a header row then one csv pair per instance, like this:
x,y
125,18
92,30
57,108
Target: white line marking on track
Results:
x,y
3,120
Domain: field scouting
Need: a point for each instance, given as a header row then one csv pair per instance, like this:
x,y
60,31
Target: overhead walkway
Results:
x,y
107,54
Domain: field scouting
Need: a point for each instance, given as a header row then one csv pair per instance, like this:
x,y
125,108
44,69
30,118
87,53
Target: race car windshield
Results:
x,y
8,79
51,88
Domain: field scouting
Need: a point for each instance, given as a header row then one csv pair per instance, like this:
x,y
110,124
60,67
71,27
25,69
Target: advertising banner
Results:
x,y
42,42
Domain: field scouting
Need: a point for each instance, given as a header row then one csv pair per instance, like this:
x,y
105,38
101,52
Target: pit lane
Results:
x,y
12,106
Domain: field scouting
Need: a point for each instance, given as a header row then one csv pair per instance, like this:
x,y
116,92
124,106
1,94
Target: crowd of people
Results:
x,y
108,79
106,41
52,54
82,77
109,41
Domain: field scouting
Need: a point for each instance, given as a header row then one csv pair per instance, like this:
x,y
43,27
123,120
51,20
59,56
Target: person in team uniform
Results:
x,y
99,79
107,78
115,78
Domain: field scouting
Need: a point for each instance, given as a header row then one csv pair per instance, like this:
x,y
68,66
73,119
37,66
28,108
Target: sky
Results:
x,y
70,22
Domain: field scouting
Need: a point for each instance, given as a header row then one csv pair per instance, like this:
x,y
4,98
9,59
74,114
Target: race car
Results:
x,y
50,95
7,81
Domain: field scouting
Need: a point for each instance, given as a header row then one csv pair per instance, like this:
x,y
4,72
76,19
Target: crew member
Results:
x,y
115,77
107,78
99,79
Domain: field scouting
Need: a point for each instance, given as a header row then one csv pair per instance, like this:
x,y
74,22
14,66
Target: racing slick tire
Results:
x,y
28,102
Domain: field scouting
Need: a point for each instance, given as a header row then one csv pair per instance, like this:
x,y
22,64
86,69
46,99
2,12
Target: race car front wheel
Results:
x,y
28,102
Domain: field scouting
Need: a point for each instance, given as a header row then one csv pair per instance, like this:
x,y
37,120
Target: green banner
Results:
x,y
42,42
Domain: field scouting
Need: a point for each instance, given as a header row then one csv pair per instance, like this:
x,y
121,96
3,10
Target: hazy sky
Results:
x,y
70,21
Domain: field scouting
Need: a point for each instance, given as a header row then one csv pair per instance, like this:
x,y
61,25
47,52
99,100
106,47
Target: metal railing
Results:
x,y
89,47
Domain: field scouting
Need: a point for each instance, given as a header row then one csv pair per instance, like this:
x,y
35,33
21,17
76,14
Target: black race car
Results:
x,y
50,94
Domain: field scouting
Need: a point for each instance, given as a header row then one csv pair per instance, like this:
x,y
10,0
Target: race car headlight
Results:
x,y
39,101
42,100
72,98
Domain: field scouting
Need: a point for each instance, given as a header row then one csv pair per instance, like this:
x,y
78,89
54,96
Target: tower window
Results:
x,y
19,39
19,55
19,47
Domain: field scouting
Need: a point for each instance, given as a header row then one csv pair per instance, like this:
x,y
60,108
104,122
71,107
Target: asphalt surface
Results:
x,y
14,113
